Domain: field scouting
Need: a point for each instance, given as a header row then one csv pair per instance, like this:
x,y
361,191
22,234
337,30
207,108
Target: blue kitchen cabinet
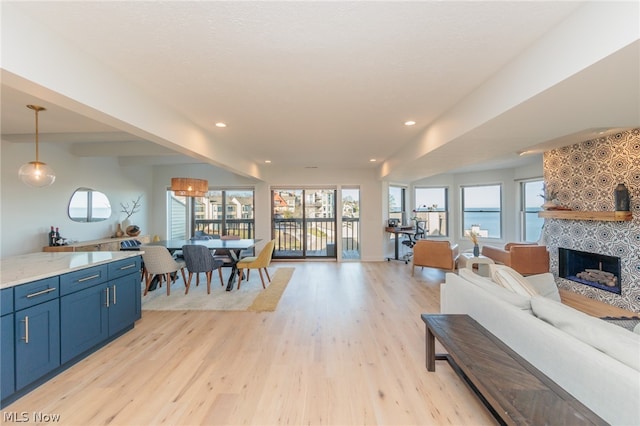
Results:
x,y
37,342
98,304
122,304
7,370
83,320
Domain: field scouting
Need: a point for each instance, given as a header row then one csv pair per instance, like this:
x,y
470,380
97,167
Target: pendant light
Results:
x,y
189,187
36,173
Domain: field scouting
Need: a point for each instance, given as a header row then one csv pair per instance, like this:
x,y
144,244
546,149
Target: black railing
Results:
x,y
314,237
318,238
291,234
350,234
241,227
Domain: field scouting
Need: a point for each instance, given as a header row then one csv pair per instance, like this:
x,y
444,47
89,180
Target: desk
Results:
x,y
234,247
397,231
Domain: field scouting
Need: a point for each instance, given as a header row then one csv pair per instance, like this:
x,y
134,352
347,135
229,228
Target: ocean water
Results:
x,y
489,220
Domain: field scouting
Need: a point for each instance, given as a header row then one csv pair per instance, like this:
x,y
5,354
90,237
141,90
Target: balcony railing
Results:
x,y
241,227
319,235
314,237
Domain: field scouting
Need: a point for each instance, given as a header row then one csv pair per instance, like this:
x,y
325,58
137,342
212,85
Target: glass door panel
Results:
x,y
320,221
304,223
351,223
287,223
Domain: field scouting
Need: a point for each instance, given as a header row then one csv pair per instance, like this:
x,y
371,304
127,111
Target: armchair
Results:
x,y
526,258
438,254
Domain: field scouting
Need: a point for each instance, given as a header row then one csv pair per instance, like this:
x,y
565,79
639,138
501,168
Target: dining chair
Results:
x,y
259,262
199,259
159,261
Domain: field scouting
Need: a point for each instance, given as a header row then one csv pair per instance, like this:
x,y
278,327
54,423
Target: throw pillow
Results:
x,y
517,300
545,285
636,329
614,341
512,280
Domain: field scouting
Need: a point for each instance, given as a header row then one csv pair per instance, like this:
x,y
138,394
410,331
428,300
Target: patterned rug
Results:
x,y
250,297
625,322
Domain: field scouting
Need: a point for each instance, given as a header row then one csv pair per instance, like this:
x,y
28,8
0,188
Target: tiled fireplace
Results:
x,y
593,269
585,176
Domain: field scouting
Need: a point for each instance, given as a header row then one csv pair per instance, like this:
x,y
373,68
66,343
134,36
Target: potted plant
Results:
x,y
550,197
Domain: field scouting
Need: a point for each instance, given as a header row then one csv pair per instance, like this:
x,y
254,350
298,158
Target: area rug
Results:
x,y
250,297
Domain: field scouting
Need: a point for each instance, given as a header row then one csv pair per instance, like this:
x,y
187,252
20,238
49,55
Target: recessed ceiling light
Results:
x,y
267,161
221,124
409,123
372,160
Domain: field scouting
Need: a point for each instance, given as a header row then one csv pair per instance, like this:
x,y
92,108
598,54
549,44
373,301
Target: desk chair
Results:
x,y
418,235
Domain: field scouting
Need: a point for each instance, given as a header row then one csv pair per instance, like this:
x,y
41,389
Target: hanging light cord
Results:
x,y
37,109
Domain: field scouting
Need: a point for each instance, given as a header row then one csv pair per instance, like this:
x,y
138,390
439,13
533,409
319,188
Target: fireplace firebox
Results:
x,y
592,269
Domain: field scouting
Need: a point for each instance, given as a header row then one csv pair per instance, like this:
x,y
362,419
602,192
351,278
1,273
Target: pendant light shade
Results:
x,y
189,187
36,173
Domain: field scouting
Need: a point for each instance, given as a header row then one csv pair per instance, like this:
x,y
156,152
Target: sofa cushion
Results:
x,y
614,341
517,300
545,285
512,280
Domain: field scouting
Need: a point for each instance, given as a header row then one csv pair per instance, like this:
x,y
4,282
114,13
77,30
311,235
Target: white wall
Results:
x,y
28,213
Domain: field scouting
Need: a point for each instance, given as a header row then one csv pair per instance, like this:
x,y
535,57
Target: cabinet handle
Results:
x,y
114,294
133,265
40,293
89,278
26,329
107,294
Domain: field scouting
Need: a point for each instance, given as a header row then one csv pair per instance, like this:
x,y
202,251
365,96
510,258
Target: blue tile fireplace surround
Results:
x,y
585,175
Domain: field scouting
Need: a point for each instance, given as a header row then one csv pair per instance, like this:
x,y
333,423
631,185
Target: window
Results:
x,y
531,203
186,215
482,210
432,207
397,203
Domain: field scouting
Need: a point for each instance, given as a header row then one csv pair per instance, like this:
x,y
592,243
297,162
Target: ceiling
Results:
x,y
307,84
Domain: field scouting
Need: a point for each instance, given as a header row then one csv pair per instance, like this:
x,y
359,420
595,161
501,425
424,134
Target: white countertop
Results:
x,y
35,266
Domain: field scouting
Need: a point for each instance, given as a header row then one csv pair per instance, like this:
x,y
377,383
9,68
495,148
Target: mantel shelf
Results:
x,y
614,216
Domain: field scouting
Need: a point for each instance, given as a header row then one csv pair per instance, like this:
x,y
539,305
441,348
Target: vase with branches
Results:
x,y
130,210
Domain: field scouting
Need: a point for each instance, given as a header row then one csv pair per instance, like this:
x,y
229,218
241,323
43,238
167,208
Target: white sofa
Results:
x,y
571,352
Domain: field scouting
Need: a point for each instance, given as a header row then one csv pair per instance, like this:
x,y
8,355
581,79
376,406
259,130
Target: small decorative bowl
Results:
x,y
133,230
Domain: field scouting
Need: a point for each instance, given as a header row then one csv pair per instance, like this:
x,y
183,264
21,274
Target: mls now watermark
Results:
x,y
29,417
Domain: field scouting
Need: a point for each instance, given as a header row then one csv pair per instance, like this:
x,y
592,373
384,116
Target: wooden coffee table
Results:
x,y
513,390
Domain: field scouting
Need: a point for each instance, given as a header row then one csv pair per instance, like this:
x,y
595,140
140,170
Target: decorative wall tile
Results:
x,y
585,176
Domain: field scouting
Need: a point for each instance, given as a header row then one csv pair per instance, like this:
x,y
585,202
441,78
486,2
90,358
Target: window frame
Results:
x,y
463,210
523,207
424,211
402,213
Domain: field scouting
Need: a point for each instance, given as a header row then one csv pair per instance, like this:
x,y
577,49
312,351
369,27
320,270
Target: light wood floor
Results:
x,y
345,347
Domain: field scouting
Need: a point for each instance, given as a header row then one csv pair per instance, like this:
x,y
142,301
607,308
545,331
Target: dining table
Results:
x,y
235,247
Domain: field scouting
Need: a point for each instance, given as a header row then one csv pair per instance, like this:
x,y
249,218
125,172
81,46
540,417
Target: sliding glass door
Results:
x,y
304,223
